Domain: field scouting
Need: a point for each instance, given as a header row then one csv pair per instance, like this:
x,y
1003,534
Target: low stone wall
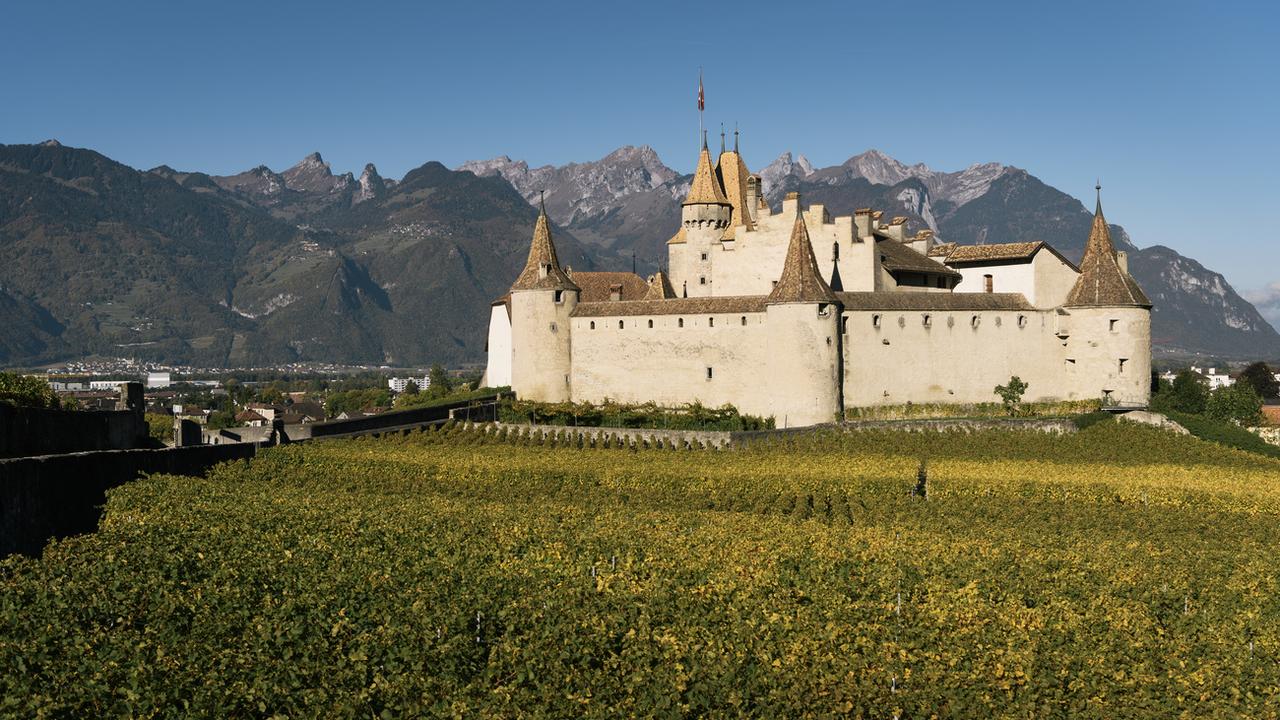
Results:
x,y
664,439
59,495
474,409
1048,425
40,431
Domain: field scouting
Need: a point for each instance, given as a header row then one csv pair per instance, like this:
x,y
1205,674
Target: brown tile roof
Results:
x,y
941,249
249,416
597,286
891,300
705,189
542,269
660,287
681,237
999,251
733,174
896,257
1101,281
801,280
674,306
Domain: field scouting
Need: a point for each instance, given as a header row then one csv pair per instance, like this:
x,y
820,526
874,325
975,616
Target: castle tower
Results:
x,y
805,354
1109,345
705,215
733,175
542,299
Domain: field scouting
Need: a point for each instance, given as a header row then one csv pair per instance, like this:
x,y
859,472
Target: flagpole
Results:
x,y
700,104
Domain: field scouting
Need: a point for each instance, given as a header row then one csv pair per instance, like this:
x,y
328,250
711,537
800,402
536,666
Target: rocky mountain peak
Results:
x,y
371,185
313,175
774,173
51,143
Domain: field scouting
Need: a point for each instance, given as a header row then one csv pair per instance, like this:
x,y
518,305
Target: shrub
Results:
x,y
1237,403
1011,394
1090,419
26,391
1224,433
1188,393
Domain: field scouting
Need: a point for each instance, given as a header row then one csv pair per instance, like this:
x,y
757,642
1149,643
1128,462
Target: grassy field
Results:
x,y
1118,572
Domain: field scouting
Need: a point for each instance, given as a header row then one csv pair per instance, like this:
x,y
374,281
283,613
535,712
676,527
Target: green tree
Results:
x,y
439,384
1237,403
26,391
1011,394
411,388
1188,393
160,427
1262,379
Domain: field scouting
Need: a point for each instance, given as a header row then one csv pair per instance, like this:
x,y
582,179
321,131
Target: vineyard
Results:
x,y
1120,571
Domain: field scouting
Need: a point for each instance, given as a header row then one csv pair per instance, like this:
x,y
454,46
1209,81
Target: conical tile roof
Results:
x,y
705,188
542,270
801,281
1102,281
733,174
660,287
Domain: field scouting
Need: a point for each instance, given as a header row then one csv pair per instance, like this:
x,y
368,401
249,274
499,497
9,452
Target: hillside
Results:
x,y
99,258
1122,571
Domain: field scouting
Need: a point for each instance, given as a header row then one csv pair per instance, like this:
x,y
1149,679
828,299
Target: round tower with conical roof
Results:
x,y
805,350
704,216
1108,339
542,299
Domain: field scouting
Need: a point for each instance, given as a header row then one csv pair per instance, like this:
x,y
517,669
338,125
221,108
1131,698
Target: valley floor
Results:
x,y
1117,572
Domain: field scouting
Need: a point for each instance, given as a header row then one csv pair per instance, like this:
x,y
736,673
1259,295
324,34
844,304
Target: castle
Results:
x,y
797,315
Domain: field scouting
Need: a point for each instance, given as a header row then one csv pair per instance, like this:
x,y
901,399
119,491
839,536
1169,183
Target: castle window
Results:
x,y
1022,321
702,280
1113,325
559,296
988,283
835,250
553,327
711,322
927,320
744,320
999,321
709,373
1071,363
875,321
975,321
619,324
593,324
1122,362
680,322
704,256
651,323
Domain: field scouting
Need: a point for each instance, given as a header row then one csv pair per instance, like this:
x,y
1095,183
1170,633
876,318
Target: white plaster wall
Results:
x,y
803,362
951,361
497,372
1054,280
1005,278
667,364
540,360
1097,348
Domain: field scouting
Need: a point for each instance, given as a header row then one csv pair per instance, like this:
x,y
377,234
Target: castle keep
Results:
x,y
797,315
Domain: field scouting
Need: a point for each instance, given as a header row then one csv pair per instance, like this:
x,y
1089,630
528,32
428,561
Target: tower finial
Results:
x,y
704,139
721,138
542,201
1097,187
735,136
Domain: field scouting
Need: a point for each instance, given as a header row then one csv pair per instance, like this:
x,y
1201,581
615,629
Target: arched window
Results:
x,y
744,320
650,323
593,324
619,324
680,322
711,322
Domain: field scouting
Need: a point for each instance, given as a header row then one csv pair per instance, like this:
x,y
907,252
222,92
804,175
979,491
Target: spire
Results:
x,y
1102,282
542,269
735,137
704,190
801,281
721,138
837,285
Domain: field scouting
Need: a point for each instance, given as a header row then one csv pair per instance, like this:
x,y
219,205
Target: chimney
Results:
x,y
753,196
897,229
875,219
862,222
791,203
1122,259
817,214
615,292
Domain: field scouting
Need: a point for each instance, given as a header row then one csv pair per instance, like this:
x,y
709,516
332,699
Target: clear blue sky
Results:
x,y
1173,104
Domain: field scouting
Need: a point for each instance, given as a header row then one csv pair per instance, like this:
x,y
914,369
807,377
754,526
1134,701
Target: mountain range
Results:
x,y
265,267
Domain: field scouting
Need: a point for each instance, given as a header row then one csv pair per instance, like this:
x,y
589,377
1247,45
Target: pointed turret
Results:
x,y
542,270
705,190
1102,281
733,175
801,281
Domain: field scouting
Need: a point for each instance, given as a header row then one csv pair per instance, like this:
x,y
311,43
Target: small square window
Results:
x,y
702,280
1113,325
1122,362
650,323
704,256
709,373
559,296
619,324
680,322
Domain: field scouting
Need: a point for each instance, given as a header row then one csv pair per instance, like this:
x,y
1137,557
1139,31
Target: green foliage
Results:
x,y
1224,433
1117,572
406,401
160,427
692,416
1011,394
26,391
220,419
1262,379
439,384
1088,420
411,388
1189,393
352,401
1236,403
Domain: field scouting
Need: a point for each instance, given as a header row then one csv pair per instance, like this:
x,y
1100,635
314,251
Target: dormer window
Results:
x,y
544,270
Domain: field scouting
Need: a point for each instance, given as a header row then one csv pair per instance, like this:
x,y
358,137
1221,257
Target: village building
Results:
x,y
798,315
